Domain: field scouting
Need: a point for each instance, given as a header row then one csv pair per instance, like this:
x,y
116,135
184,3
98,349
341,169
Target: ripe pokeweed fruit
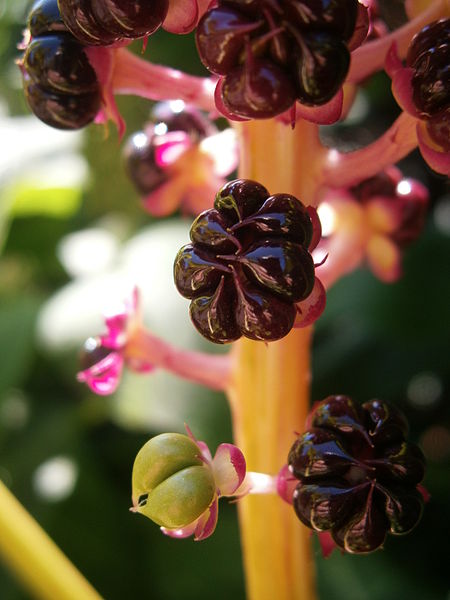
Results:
x,y
105,22
272,53
60,85
357,473
247,265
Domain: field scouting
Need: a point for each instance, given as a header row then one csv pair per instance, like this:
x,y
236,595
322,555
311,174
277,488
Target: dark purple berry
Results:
x,y
92,353
271,53
357,473
104,22
140,162
44,18
321,65
177,116
59,63
62,111
248,264
432,35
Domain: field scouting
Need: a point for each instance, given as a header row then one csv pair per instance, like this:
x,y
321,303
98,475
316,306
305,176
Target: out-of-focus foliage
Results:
x,y
374,340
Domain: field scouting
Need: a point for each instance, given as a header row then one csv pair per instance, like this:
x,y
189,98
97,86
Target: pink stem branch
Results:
x,y
345,169
370,57
135,76
210,370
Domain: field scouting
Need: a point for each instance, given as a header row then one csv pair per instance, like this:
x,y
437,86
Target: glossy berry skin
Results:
x,y
429,57
358,474
248,264
271,53
105,22
60,84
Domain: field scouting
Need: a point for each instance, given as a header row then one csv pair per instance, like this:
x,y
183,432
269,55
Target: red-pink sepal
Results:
x,y
103,377
327,114
102,61
309,310
286,484
435,156
327,544
183,15
401,81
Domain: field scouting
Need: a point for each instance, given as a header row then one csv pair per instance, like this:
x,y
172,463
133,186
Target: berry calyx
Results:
x,y
272,53
248,264
357,474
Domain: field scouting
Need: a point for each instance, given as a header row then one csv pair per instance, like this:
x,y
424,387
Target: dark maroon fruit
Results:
x,y
92,353
44,18
58,62
431,36
322,63
248,264
62,111
357,474
104,22
271,53
439,129
140,162
177,116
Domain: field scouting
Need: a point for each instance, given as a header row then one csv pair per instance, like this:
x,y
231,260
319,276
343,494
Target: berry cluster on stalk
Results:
x,y
248,264
271,53
61,86
358,474
429,58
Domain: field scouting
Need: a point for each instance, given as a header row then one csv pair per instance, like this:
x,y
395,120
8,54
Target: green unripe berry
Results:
x,y
181,498
161,457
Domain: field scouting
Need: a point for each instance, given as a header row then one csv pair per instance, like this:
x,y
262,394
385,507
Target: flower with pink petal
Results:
x,y
177,483
421,88
104,356
179,160
374,220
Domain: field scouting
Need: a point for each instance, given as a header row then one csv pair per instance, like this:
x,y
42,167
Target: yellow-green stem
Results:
x,y
269,393
36,560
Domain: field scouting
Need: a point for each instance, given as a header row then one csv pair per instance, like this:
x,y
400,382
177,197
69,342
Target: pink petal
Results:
x,y
139,365
207,522
103,377
166,198
116,336
229,469
206,454
437,159
182,16
201,197
322,115
286,484
309,310
401,81
327,543
223,149
170,146
384,258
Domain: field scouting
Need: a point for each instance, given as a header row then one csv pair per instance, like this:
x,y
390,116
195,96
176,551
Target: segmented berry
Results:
x,y
429,57
357,473
271,53
60,85
248,264
105,22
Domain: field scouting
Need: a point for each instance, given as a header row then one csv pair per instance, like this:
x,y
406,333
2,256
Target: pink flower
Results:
x,y
104,356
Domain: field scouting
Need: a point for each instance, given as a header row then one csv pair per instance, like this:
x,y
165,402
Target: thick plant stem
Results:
x,y
35,558
269,393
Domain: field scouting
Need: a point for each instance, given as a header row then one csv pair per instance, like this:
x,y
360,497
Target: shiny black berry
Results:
x,y
357,474
248,264
105,22
60,85
429,57
272,53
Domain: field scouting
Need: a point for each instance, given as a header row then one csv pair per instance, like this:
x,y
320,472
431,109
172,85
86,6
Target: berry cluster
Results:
x,y
60,84
429,57
105,22
140,152
358,476
273,52
248,264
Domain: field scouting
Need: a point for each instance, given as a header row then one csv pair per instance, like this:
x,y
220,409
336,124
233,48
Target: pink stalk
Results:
x,y
210,370
135,76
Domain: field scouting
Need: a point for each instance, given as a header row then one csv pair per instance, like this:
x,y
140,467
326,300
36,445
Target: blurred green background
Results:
x,y
68,455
